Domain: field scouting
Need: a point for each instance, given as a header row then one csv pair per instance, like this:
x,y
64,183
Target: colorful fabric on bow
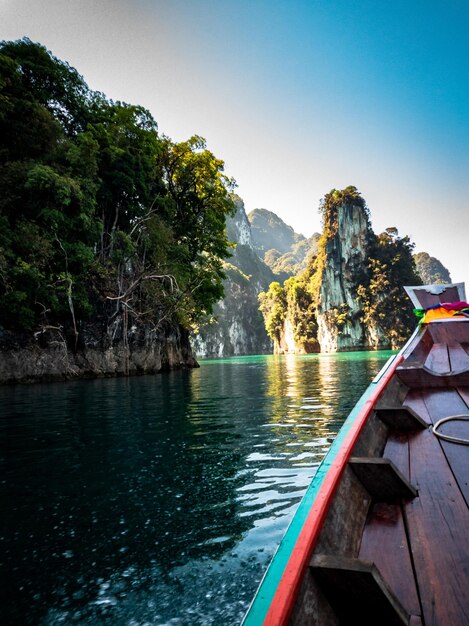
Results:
x,y
443,310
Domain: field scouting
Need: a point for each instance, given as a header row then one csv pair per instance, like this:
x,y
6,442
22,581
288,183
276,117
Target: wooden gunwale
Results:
x,y
275,599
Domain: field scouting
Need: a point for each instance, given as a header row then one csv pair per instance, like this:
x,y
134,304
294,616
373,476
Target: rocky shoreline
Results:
x,y
47,357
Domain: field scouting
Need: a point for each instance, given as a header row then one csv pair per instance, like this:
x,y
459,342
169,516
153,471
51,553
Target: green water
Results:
x,y
161,499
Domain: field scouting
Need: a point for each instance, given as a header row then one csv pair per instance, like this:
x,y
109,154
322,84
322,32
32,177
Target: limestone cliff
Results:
x,y
346,250
350,296
46,356
361,303
238,327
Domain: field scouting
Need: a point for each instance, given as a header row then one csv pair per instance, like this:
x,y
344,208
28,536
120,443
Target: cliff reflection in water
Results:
x,y
161,499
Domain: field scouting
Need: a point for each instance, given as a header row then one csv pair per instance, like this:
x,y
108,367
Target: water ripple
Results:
x,y
160,500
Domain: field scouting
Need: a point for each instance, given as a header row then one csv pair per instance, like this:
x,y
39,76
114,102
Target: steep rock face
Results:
x,y
238,227
239,327
287,343
338,313
350,295
47,356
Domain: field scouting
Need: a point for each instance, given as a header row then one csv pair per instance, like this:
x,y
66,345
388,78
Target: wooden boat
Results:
x,y
382,535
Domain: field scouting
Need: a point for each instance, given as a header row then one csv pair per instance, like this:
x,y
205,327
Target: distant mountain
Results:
x,y
269,231
431,270
283,250
295,260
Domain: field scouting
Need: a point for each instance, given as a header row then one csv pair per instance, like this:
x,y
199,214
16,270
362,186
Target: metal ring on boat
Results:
x,y
448,437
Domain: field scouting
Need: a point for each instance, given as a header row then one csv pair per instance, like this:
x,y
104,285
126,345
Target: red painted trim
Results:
x,y
289,586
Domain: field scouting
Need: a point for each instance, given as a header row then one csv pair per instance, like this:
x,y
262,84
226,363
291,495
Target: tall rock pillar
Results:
x,y
345,241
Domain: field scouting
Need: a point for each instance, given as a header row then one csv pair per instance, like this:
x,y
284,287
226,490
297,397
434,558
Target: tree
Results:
x,y
329,207
129,175
390,267
375,285
100,216
273,306
47,199
198,203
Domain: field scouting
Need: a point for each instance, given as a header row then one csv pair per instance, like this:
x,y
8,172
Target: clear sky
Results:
x,y
298,97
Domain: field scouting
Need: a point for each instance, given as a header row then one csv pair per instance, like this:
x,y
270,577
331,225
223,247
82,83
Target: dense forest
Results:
x,y
102,217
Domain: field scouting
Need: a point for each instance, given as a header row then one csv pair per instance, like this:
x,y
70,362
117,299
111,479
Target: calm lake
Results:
x,y
161,499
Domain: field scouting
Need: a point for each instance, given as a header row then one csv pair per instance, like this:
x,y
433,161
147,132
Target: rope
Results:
x,y
448,437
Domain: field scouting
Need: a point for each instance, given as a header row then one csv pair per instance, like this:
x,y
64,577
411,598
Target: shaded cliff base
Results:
x,y
367,342
46,357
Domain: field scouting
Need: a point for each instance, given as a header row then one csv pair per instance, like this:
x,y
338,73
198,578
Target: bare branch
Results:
x,y
172,282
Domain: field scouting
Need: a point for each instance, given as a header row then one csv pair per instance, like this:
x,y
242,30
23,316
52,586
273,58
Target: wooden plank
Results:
x,y
381,478
312,607
418,378
444,403
451,294
450,331
459,359
397,451
414,400
430,364
420,350
438,526
357,592
437,361
279,589
341,532
384,538
385,543
460,331
464,393
393,394
400,419
441,333
426,299
372,439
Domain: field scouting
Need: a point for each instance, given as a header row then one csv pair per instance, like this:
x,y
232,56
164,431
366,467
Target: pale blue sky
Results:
x,y
297,97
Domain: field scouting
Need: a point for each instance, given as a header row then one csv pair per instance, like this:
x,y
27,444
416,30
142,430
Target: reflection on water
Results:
x,y
160,500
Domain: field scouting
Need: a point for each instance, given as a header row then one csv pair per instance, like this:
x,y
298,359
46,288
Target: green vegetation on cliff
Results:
x,y
101,217
237,325
372,277
295,302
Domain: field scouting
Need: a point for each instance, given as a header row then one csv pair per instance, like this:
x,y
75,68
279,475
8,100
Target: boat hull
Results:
x,y
380,535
